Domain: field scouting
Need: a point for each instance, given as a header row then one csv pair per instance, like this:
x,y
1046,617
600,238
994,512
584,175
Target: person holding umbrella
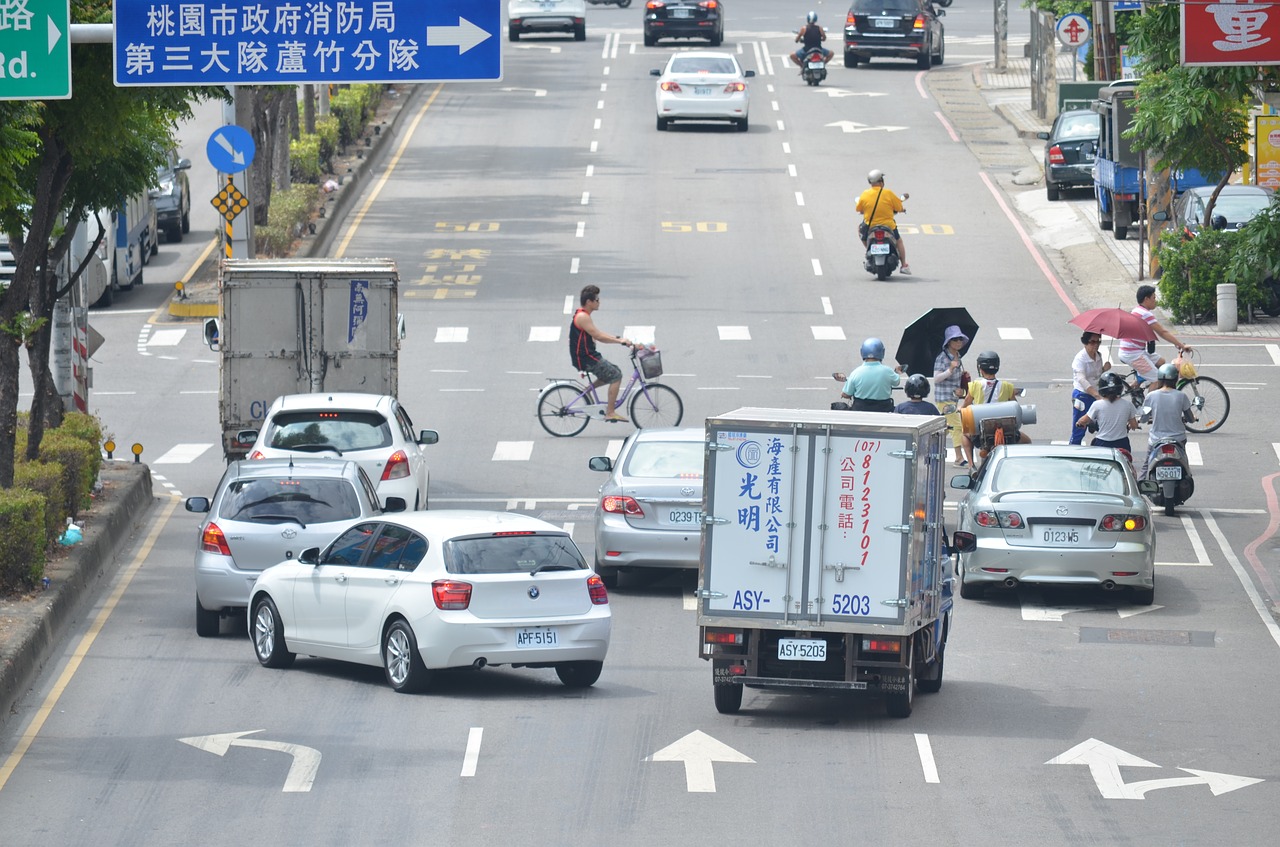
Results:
x,y
949,384
1086,369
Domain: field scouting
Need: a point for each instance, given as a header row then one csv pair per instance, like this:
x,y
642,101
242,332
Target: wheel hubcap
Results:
x,y
264,632
397,656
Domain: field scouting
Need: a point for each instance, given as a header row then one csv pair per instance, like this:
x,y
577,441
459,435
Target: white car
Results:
x,y
702,86
372,430
425,591
541,16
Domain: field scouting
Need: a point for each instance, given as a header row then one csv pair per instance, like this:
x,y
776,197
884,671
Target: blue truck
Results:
x,y
1119,186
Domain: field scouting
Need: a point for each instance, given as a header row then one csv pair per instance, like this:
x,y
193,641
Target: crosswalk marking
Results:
x,y
544,333
182,454
734,333
166,337
1014,333
512,451
447,334
639,334
827,333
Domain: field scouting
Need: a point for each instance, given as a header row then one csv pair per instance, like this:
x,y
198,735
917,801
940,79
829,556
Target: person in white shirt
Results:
x,y
1086,368
1113,413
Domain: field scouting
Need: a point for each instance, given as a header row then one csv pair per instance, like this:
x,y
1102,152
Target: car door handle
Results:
x,y
391,580
340,578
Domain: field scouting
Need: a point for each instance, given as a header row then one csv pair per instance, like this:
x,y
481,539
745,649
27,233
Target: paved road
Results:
x,y
733,251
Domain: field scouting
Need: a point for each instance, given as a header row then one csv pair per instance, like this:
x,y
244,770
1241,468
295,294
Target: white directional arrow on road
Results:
x,y
698,750
854,126
844,92
306,760
1035,611
1105,761
464,36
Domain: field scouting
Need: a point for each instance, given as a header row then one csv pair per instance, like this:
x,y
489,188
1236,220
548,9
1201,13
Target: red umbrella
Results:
x,y
1115,323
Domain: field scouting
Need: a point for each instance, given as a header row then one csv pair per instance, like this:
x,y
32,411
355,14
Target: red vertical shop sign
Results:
x,y
1228,32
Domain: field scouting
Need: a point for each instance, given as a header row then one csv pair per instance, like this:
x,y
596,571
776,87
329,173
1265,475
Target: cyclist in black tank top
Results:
x,y
812,36
583,335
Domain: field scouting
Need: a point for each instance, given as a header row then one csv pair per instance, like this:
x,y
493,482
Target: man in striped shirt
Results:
x,y
1133,351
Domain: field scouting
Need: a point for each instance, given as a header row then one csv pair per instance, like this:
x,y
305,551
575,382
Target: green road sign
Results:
x,y
35,49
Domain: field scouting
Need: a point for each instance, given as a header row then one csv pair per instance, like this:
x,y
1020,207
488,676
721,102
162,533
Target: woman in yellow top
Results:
x,y
878,206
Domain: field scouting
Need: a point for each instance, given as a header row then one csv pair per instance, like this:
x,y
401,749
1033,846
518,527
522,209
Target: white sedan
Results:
x,y
702,86
425,591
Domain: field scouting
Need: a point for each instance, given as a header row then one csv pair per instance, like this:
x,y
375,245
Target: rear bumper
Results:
x,y
556,24
681,29
1081,174
864,46
636,548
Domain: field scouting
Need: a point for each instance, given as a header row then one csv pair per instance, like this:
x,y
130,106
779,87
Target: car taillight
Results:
x,y
1123,523
1006,520
1055,156
257,454
735,86
850,19
451,595
397,466
919,24
709,4
655,4
595,587
670,86
213,541
621,505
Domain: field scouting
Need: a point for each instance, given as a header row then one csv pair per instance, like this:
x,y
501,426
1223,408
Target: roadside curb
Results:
x,y
39,624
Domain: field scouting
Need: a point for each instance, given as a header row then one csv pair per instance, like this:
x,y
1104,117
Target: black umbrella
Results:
x,y
922,341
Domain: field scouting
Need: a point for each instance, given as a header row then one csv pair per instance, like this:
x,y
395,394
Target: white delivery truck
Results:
x,y
300,326
825,562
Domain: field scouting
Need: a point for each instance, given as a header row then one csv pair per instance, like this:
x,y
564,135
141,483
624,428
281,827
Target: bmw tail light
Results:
x,y
1055,156
670,86
213,541
621,505
397,466
1123,523
735,86
595,587
450,595
918,26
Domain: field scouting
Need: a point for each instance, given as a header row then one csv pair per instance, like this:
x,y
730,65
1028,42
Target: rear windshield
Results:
x,y
704,65
514,553
317,430
666,460
1053,473
893,7
307,501
1083,125
1239,208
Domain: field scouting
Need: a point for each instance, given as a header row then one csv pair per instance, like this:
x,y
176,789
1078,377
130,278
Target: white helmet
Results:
x,y
812,17
875,175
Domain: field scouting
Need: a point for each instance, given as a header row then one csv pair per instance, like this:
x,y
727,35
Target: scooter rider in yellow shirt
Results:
x,y
878,206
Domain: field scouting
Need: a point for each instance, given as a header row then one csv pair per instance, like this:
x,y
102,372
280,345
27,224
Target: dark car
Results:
x,y
1070,148
1236,206
898,29
683,19
172,197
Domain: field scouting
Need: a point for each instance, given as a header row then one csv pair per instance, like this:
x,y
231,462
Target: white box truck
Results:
x,y
300,326
825,563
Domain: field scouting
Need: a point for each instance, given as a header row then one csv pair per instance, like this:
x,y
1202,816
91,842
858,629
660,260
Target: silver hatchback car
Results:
x,y
267,511
650,510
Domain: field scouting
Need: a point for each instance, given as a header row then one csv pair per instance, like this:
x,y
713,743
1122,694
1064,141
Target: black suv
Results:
x,y
900,29
173,197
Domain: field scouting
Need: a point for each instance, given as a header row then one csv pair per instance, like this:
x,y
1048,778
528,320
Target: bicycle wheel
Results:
x,y
1209,402
559,412
656,405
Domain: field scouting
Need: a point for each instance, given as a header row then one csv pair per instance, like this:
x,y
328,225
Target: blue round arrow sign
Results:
x,y
230,149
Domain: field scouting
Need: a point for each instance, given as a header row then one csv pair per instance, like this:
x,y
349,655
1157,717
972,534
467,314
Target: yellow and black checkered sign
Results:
x,y
230,202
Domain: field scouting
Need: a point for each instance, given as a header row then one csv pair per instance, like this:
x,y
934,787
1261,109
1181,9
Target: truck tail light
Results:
x,y
723,636
1056,157
1123,523
621,505
881,645
451,595
397,466
595,587
213,541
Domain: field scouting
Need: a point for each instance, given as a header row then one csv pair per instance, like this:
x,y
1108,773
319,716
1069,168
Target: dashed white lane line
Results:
x,y
827,333
568,304
512,451
586,198
791,170
582,229
544,333
799,199
451,334
573,269
1276,447
1273,350
927,764
471,758
1014,333
808,231
817,267
1193,454
734,333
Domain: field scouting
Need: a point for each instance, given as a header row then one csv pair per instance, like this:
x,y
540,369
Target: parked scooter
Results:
x,y
882,252
1168,482
622,4
813,66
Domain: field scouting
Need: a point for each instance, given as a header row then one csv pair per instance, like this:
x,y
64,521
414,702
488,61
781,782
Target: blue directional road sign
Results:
x,y
288,42
230,149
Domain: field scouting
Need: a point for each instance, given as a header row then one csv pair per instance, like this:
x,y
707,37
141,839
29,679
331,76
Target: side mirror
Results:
x,y
212,332
1148,487
964,542
748,73
198,504
183,164
401,327
1044,136
428,436
1160,216
961,481
655,72
395,504
247,437
600,463
940,13
311,556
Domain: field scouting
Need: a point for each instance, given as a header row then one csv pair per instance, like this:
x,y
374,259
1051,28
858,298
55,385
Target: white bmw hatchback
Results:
x,y
426,591
701,85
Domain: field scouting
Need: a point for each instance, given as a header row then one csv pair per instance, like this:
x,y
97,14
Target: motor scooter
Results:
x,y
813,66
1168,481
882,252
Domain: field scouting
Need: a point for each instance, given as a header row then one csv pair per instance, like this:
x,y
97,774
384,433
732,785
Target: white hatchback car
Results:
x,y
372,430
542,16
702,86
425,591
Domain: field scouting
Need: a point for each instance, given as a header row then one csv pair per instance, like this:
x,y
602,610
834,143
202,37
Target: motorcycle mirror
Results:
x,y
1148,487
837,376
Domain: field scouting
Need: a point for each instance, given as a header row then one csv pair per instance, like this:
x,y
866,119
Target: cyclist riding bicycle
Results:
x,y
583,335
1139,354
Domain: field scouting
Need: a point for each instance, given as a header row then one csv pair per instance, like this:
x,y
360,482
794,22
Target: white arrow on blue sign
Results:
x,y
289,42
230,149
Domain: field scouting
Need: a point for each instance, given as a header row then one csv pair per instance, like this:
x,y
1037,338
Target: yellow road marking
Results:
x,y
82,650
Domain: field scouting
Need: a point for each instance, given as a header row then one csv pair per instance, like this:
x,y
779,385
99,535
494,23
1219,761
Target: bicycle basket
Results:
x,y
650,362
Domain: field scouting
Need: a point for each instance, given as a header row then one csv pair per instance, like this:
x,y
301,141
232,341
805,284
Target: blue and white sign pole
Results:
x,y
291,42
231,150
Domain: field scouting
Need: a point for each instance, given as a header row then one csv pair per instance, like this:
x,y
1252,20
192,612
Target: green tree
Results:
x,y
86,153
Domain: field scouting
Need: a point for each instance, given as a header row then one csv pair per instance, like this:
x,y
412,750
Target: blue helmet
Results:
x,y
873,348
812,17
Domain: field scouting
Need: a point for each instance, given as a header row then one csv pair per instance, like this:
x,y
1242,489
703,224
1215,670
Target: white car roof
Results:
x,y
331,399
442,524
